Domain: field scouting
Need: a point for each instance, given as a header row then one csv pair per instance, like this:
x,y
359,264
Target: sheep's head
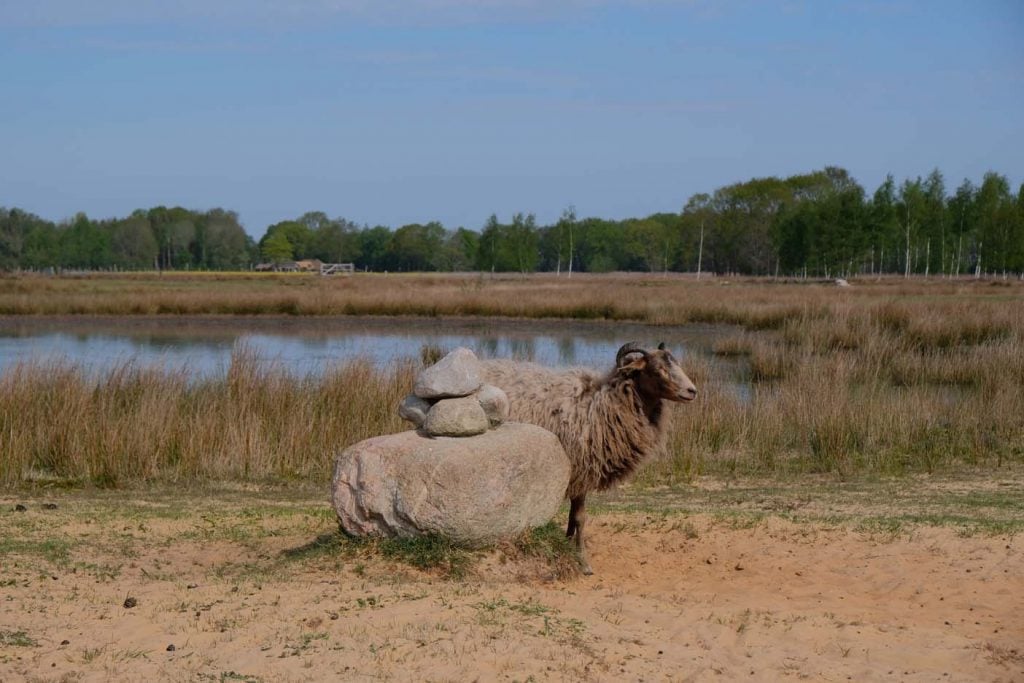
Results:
x,y
657,373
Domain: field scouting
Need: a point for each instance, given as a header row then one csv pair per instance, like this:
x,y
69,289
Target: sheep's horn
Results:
x,y
628,348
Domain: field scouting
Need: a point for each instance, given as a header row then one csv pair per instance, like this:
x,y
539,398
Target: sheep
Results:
x,y
607,424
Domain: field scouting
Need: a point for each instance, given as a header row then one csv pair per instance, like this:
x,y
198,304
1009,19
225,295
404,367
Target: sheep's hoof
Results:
x,y
585,568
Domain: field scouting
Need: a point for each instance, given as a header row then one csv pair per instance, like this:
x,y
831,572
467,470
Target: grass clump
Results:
x,y
10,638
428,552
548,546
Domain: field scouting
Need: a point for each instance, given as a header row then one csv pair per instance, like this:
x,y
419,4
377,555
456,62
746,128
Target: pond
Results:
x,y
202,346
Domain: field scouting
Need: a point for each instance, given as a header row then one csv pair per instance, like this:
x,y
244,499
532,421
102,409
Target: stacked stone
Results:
x,y
449,398
502,478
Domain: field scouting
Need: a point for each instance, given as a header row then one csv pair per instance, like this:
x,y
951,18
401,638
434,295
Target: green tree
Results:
x,y
523,243
996,214
647,243
697,214
14,224
416,247
459,251
84,245
961,210
298,235
910,209
934,217
599,245
490,238
276,248
227,245
375,248
334,240
883,227
132,242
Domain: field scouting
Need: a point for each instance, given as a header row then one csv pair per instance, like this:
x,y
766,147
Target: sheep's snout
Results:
x,y
681,387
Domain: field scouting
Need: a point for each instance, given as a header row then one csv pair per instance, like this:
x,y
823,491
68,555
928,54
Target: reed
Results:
x,y
142,424
930,312
883,377
827,414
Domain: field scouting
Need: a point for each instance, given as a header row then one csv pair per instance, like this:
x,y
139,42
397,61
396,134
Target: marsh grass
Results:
x,y
880,378
877,389
755,304
146,423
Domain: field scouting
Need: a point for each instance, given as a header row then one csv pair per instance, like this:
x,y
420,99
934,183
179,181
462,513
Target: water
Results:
x,y
306,346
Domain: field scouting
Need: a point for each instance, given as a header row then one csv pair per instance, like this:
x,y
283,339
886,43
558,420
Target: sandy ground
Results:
x,y
236,587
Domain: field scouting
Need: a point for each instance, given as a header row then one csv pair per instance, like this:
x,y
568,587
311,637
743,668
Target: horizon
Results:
x,y
452,110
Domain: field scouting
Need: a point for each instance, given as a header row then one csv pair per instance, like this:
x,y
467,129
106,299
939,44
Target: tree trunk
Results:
x,y
700,249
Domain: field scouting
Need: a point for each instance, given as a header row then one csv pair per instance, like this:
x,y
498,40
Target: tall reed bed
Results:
x,y
849,412
139,423
880,389
882,377
751,303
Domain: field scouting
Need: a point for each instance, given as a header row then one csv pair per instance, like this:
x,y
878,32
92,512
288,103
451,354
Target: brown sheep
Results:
x,y
607,423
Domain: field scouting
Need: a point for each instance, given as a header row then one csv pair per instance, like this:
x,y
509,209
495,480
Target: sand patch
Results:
x,y
243,592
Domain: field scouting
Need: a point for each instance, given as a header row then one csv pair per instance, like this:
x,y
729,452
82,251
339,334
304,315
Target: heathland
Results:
x,y
851,510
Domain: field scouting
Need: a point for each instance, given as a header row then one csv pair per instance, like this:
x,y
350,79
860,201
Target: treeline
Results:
x,y
822,224
159,238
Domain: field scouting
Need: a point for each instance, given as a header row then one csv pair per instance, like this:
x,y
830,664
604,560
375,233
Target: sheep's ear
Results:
x,y
661,346
635,365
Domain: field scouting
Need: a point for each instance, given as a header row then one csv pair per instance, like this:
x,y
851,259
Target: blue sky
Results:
x,y
390,112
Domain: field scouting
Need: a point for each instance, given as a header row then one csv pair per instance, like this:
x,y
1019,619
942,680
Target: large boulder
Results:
x,y
474,491
457,374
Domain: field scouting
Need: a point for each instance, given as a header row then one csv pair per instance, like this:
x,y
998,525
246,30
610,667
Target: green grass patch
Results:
x,y
430,552
16,639
56,551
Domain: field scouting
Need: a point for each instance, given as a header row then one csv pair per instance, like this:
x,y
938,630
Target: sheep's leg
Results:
x,y
577,520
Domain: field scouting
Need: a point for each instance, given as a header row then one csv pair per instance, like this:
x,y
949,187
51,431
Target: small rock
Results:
x,y
456,417
414,409
171,648
130,602
49,506
840,282
20,508
455,375
65,642
494,401
710,560
192,586
739,567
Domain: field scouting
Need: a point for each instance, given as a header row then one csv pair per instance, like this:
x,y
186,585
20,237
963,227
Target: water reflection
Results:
x,y
203,347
